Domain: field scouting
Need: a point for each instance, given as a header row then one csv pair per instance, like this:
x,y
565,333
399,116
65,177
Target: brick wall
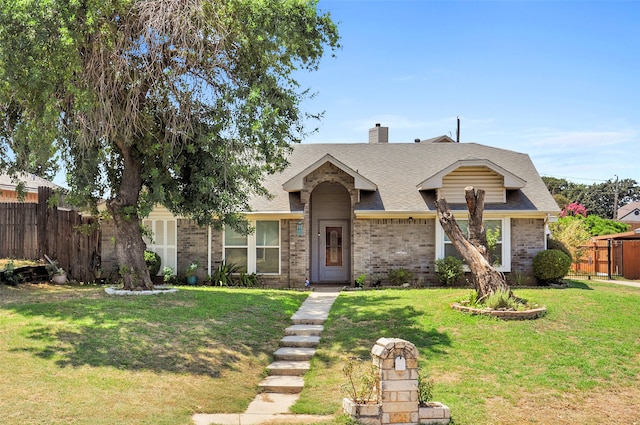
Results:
x,y
192,246
384,244
527,239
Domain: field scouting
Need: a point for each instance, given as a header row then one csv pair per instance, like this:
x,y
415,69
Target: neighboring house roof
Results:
x,y
632,235
629,212
402,177
31,181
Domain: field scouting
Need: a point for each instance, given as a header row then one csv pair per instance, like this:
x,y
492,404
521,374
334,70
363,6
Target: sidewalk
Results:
x,y
633,283
282,388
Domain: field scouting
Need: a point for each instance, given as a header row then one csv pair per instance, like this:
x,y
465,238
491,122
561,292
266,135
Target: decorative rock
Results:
x,y
503,314
157,290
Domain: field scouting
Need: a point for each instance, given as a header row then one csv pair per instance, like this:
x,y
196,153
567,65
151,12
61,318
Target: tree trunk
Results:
x,y
129,246
486,279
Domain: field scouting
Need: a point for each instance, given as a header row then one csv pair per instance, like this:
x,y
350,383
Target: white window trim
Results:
x,y
252,246
162,249
505,267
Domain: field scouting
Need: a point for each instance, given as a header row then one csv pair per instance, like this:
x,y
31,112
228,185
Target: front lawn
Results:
x,y
580,364
73,355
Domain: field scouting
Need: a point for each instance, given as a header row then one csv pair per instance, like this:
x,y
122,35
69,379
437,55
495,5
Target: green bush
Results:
x,y
449,269
425,390
399,276
556,244
153,262
500,299
551,265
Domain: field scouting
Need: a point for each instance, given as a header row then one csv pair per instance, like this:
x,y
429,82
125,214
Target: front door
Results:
x,y
334,250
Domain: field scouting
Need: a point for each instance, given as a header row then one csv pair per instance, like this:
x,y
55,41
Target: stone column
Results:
x,y
397,361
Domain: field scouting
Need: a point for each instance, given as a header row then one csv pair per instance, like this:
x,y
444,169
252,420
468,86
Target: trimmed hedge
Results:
x,y
551,265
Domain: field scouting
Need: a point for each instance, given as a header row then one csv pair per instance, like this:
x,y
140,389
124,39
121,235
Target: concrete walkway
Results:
x,y
281,389
634,283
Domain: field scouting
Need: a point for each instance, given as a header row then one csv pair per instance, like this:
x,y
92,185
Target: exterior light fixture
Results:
x,y
299,228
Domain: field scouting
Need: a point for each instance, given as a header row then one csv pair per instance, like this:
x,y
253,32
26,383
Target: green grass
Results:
x,y
73,355
585,351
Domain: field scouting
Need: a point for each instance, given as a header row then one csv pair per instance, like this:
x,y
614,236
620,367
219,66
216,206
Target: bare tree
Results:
x,y
474,249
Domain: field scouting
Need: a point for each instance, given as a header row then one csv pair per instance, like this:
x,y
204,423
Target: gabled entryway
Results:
x,y
330,233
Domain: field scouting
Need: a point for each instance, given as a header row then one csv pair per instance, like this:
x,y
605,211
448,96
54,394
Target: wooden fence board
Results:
x,y
31,231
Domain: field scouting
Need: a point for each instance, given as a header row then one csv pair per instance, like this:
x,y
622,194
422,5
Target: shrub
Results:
x,y
10,276
500,299
550,265
167,272
425,390
555,244
153,262
223,274
363,380
449,269
399,276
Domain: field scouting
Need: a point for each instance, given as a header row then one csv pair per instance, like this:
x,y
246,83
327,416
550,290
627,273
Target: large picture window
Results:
x,y
258,252
498,237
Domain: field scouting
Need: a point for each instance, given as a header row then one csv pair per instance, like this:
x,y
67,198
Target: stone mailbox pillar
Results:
x,y
397,361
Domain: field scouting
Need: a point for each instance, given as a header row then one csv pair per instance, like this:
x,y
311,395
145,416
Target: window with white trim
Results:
x,y
258,252
164,241
498,236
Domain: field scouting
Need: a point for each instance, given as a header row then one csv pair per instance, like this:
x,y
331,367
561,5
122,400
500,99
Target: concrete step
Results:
x,y
302,330
288,368
282,384
309,341
294,353
307,318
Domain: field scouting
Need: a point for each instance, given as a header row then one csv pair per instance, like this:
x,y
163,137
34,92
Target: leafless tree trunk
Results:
x,y
474,249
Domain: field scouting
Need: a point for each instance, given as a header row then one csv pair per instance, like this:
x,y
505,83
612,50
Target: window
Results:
x,y
258,252
164,242
498,238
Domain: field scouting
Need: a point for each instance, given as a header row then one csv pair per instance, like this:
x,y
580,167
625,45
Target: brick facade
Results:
x,y
527,239
192,246
378,246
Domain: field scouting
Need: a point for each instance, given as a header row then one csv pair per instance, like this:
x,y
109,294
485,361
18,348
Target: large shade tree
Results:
x,y
187,103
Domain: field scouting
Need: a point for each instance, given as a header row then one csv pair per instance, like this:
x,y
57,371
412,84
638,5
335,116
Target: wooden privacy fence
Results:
x,y
609,257
31,231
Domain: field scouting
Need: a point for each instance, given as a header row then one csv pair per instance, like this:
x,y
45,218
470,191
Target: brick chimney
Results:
x,y
379,134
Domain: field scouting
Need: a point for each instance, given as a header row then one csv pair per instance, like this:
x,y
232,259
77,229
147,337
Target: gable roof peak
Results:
x,y
296,183
511,181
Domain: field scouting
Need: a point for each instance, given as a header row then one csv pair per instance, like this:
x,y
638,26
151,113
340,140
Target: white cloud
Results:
x,y
580,139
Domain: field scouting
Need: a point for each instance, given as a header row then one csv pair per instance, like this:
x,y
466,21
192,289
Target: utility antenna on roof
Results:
x,y
458,132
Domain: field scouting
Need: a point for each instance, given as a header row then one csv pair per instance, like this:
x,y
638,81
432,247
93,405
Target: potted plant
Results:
x,y
362,388
190,273
430,411
56,273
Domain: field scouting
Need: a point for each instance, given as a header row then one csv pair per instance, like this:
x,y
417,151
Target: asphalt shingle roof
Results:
x,y
31,181
397,169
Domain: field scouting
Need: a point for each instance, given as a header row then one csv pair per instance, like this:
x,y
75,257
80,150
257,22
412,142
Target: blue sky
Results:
x,y
559,81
